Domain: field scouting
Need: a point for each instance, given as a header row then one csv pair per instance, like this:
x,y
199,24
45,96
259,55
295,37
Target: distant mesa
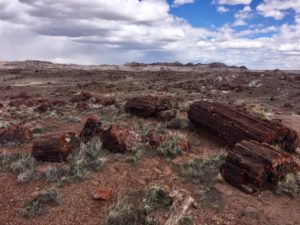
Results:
x,y
214,65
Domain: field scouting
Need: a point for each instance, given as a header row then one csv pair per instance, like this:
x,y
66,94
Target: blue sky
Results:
x,y
260,34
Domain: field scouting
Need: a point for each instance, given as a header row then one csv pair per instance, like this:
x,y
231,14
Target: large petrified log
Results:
x,y
54,147
147,106
15,135
234,125
252,166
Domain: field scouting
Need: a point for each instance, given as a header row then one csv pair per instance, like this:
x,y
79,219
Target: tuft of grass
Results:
x,y
290,185
21,164
155,198
203,171
89,156
169,148
125,212
259,111
37,205
187,220
210,197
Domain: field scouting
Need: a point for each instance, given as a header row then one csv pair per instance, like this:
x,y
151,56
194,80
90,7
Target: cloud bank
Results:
x,y
118,31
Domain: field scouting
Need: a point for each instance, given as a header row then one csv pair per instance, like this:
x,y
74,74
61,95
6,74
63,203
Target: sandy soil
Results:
x,y
275,94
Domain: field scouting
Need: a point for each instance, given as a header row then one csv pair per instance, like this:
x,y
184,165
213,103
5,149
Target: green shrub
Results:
x,y
155,198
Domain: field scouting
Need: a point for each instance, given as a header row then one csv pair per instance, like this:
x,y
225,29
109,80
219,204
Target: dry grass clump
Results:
x,y
37,205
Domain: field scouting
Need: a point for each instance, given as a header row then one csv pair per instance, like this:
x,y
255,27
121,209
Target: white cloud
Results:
x,y
222,9
242,15
277,9
234,2
118,31
182,2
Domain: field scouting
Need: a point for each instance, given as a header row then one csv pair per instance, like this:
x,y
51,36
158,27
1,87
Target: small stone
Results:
x,y
103,194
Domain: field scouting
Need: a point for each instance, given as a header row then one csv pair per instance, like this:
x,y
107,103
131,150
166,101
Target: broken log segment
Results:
x,y
234,126
91,129
252,166
147,106
54,147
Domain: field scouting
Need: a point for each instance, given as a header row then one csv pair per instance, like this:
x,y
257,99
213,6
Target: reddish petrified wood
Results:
x,y
234,125
91,129
15,135
147,106
252,166
54,147
120,140
81,97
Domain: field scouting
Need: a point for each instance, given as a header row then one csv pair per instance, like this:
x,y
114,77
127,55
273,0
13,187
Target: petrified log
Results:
x,y
120,140
54,147
91,129
234,125
252,166
147,106
15,135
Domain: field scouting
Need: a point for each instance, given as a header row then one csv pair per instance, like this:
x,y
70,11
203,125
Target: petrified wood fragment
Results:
x,y
16,134
91,129
147,106
234,125
252,166
54,147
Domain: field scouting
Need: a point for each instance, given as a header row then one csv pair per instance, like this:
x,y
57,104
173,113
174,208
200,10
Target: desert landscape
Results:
x,y
141,144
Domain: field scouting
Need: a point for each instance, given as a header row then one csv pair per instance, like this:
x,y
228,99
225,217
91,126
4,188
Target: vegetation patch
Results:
x,y
90,156
21,164
290,185
205,173
169,148
37,205
126,212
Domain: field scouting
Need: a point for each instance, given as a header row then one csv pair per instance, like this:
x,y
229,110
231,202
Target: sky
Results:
x,y
259,34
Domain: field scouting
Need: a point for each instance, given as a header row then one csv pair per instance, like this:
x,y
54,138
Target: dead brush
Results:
x,y
21,164
169,148
37,205
205,173
126,212
290,185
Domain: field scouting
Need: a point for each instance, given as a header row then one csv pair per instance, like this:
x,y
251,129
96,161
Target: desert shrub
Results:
x,y
37,205
126,212
203,171
89,156
169,148
290,185
155,198
21,164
